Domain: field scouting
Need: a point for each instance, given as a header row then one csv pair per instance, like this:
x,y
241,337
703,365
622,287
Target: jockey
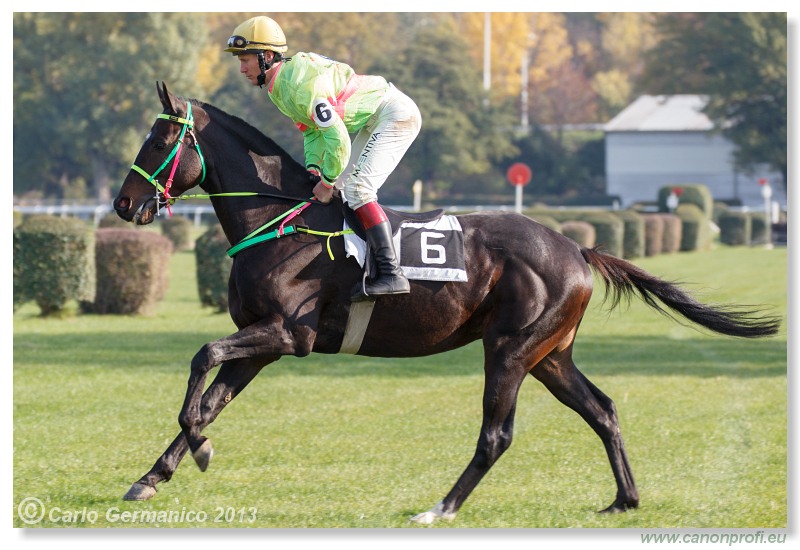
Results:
x,y
327,101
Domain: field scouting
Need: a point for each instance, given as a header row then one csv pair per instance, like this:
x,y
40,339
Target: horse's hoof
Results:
x,y
429,517
202,456
140,491
619,508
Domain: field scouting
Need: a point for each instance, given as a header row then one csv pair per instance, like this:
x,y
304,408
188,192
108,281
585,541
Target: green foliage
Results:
x,y
571,166
610,231
84,90
178,230
132,271
213,268
653,234
112,220
695,228
582,233
673,233
53,263
697,194
760,228
545,220
736,228
633,233
740,61
456,135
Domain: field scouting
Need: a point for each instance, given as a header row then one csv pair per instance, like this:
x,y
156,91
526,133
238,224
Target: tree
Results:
x,y
740,61
84,89
459,133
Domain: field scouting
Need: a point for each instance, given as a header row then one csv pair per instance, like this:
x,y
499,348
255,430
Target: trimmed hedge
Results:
x,y
213,268
582,233
696,194
132,271
609,229
53,262
736,228
761,230
112,220
547,221
696,230
653,234
673,233
178,230
633,233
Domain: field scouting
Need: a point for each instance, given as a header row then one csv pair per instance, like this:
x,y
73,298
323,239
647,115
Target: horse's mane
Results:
x,y
251,135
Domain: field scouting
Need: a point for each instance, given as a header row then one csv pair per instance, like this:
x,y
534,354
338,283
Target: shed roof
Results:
x,y
662,113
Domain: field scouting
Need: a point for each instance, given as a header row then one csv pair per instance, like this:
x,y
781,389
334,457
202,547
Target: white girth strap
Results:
x,y
357,323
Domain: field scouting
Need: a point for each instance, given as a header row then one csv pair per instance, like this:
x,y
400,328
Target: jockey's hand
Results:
x,y
323,193
314,176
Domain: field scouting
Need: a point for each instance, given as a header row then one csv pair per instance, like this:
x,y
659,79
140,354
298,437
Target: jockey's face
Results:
x,y
248,66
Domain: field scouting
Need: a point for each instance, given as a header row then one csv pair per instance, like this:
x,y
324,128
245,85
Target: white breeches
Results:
x,y
378,148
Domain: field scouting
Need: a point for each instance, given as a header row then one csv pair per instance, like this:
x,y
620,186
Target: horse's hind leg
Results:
x,y
559,374
232,378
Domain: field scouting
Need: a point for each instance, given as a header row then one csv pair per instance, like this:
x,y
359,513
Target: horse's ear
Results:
x,y
165,96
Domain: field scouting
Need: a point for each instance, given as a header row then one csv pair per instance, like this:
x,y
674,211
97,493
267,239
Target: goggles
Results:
x,y
240,42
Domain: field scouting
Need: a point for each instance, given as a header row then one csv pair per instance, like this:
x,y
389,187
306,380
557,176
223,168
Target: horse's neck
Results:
x,y
248,171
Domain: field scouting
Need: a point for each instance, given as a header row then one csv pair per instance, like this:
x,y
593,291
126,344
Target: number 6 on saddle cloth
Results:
x,y
430,247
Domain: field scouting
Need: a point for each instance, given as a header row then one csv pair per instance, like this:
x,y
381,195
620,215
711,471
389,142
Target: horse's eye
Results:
x,y
159,145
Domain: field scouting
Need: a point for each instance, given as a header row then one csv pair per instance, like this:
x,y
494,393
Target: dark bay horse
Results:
x,y
527,290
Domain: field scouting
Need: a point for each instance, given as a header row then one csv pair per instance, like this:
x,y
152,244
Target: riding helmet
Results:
x,y
256,35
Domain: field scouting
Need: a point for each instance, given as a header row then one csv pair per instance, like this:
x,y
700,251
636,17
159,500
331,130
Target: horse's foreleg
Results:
x,y
560,375
232,378
261,342
499,405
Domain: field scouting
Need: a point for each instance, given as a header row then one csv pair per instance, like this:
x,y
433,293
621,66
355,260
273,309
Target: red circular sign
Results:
x,y
519,173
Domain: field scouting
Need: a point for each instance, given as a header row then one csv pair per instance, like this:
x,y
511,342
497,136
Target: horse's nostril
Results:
x,y
122,204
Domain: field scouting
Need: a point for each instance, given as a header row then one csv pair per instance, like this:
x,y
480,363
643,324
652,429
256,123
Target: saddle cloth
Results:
x,y
427,251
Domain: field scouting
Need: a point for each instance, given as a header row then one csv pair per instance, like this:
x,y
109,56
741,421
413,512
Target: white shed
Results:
x,y
665,140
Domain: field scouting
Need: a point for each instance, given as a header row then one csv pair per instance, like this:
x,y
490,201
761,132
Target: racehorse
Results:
x,y
526,292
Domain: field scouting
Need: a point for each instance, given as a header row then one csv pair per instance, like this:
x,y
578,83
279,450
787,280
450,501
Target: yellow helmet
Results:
x,y
257,35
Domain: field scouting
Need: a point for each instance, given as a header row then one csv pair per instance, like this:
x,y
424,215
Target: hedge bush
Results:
x,y
695,228
633,233
132,271
178,230
673,233
609,229
696,194
736,228
546,220
53,262
213,268
761,230
582,233
653,234
112,220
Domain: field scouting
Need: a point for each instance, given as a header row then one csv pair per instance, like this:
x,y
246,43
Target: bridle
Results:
x,y
162,191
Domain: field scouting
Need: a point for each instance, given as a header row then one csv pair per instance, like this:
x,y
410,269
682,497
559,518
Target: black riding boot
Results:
x,y
390,278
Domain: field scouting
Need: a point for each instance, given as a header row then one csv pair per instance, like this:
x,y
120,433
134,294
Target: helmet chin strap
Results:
x,y
265,66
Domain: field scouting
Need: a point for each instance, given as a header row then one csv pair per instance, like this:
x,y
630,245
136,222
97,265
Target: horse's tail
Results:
x,y
623,279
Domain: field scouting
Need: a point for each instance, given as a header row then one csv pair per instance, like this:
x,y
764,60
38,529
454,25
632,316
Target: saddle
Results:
x,y
396,217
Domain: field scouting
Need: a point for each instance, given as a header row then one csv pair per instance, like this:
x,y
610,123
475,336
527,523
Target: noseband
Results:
x,y
162,191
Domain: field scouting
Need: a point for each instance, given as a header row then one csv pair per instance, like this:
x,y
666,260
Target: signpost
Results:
x,y
519,175
766,192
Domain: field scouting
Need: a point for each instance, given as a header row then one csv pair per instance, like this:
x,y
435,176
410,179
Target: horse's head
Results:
x,y
169,162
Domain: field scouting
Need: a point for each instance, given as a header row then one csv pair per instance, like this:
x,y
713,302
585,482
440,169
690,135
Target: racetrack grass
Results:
x,y
343,441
